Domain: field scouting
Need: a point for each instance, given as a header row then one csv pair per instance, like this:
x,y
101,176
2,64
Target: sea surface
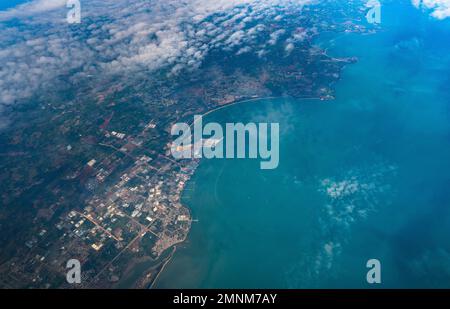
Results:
x,y
8,4
364,176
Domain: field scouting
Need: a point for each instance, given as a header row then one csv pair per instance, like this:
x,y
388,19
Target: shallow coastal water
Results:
x,y
364,176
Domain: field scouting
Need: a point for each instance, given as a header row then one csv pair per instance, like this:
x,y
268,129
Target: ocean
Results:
x,y
5,5
364,176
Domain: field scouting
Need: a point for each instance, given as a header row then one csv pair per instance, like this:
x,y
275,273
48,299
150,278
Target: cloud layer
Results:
x,y
440,8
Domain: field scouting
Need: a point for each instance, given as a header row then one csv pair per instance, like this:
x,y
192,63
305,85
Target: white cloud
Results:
x,y
274,36
118,37
440,8
289,48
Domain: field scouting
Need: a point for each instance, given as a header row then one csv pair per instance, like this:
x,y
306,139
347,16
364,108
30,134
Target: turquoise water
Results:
x,y
364,176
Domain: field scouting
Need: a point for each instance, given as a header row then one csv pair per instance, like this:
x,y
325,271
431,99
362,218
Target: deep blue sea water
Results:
x,y
364,176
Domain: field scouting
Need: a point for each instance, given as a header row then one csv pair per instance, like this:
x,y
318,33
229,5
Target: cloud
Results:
x,y
32,8
440,9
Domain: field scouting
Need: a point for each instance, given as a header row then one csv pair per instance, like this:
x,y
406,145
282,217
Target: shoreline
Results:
x,y
257,99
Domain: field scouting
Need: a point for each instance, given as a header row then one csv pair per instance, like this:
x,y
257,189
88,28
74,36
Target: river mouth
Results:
x,y
363,176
